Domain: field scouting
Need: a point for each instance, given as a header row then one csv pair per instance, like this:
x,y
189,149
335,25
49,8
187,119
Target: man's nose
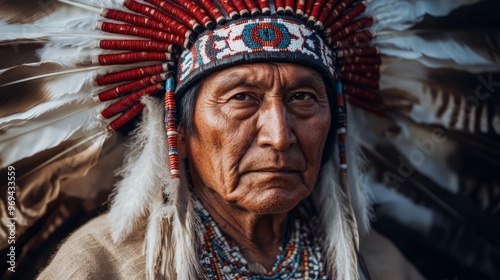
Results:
x,y
276,128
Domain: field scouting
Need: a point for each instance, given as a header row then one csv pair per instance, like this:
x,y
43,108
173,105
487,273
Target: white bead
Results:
x,y
226,269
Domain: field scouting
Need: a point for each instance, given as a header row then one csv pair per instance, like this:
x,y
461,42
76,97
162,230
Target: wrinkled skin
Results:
x,y
259,134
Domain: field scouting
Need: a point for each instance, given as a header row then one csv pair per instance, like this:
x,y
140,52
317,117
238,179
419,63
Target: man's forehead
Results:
x,y
258,71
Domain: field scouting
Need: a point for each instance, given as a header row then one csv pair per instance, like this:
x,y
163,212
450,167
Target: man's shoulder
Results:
x,y
90,253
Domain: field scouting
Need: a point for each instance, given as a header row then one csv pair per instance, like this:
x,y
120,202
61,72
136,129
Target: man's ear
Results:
x,y
182,143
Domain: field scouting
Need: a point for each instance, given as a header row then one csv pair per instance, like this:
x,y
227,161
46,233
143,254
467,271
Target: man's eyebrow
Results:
x,y
233,79
307,80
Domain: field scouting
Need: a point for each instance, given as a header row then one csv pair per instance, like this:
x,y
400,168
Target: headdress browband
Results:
x,y
319,33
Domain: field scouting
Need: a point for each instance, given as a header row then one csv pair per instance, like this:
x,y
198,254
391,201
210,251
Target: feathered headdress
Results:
x,y
81,70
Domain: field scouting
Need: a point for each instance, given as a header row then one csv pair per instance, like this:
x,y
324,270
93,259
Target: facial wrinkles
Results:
x,y
273,120
238,138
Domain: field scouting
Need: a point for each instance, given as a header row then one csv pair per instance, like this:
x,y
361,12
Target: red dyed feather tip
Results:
x,y
160,29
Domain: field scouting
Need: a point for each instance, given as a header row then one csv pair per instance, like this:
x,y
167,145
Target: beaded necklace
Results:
x,y
300,256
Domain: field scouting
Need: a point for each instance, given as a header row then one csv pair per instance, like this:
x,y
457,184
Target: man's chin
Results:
x,y
274,201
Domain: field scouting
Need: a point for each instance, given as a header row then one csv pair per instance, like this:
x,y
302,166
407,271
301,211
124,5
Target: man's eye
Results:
x,y
303,96
241,97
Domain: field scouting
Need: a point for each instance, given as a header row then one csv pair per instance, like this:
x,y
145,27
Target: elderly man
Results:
x,y
258,117
242,172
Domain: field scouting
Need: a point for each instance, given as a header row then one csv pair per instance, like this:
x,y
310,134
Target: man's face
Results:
x,y
259,134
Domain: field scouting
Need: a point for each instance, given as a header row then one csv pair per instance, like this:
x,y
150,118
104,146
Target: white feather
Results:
x,y
356,162
338,244
144,173
48,130
183,228
115,4
462,47
403,14
153,238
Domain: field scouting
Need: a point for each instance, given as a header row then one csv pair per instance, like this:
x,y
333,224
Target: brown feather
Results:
x,y
18,52
15,96
25,11
469,97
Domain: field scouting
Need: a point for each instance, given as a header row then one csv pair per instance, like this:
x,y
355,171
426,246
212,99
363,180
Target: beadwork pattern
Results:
x,y
300,256
259,35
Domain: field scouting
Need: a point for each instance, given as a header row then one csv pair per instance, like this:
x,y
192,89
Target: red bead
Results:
x,y
351,28
128,87
178,13
130,101
376,60
337,11
253,7
280,6
137,45
197,12
131,74
300,8
315,12
345,19
230,9
125,118
309,7
241,8
133,57
360,81
325,11
264,7
213,10
172,25
368,51
143,32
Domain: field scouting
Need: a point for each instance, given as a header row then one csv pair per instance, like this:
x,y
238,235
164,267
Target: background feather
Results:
x,y
464,47
340,231
401,15
24,11
49,129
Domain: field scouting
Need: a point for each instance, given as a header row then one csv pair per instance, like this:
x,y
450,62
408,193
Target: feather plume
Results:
x,y
340,230
451,98
184,230
479,47
29,90
144,166
402,15
49,130
24,87
170,237
360,194
153,240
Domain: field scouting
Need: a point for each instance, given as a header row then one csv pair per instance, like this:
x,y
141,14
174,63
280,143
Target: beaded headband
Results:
x,y
327,35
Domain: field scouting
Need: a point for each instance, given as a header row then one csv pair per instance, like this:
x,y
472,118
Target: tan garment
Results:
x,y
89,253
